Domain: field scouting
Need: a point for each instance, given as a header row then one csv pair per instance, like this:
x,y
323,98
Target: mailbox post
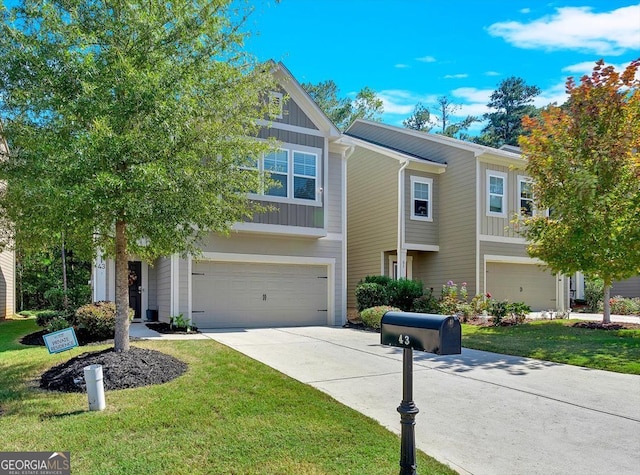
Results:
x,y
437,334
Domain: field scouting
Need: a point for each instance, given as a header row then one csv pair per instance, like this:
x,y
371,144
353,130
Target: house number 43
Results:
x,y
403,340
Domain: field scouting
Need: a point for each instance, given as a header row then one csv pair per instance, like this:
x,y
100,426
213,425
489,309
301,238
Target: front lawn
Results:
x,y
557,341
227,414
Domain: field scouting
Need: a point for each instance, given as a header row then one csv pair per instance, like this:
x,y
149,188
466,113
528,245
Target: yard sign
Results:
x,y
62,340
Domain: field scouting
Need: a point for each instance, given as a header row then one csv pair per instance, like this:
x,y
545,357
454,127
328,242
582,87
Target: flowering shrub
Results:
x,y
624,306
98,319
371,316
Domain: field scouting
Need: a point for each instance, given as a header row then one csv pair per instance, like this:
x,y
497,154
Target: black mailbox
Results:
x,y
439,334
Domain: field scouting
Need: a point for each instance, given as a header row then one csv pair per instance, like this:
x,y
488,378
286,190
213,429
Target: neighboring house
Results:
x,y
283,268
437,209
7,267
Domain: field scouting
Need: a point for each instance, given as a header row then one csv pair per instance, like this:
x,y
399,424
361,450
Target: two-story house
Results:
x,y
286,267
438,209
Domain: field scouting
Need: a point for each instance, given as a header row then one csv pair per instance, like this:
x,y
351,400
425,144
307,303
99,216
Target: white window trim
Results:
x,y
524,179
290,149
505,193
426,181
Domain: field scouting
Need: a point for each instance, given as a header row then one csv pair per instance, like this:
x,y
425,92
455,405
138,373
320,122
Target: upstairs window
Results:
x,y
296,169
421,202
525,196
496,194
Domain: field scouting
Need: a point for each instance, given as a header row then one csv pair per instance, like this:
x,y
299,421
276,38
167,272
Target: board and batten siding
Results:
x,y
498,226
372,214
265,245
152,288
292,114
456,203
418,231
629,288
7,283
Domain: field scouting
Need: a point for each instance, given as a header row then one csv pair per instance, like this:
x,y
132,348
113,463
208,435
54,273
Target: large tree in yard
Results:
x,y
584,158
130,122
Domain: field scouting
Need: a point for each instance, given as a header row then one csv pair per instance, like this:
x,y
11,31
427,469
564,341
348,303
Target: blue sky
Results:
x,y
412,51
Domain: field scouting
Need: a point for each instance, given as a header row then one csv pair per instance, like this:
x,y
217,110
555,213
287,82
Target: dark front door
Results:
x,y
135,287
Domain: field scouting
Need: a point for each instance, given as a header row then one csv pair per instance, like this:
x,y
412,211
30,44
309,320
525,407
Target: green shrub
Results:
x,y
371,316
593,294
383,280
56,324
370,294
403,292
519,311
99,319
427,303
43,317
498,310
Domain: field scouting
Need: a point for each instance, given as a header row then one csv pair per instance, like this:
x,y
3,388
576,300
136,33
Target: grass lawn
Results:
x,y
556,340
227,415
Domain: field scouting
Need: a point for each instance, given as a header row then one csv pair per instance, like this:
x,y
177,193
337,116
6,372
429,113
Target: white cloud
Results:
x,y
576,28
472,94
402,66
586,67
426,59
398,101
491,73
456,76
525,10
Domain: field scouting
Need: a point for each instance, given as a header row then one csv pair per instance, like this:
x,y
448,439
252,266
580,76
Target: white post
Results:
x,y
95,387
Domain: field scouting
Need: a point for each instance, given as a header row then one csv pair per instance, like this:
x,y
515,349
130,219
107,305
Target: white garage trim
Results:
x,y
330,263
562,289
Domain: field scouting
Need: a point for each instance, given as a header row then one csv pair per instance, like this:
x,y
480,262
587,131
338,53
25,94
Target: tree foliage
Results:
x,y
128,122
512,100
342,110
586,166
445,110
419,120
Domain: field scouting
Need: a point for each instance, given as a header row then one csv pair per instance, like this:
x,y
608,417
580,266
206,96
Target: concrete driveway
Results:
x,y
480,413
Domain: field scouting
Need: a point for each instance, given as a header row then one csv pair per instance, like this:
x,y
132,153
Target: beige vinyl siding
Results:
x,y
334,194
417,231
497,226
455,200
163,272
372,219
627,288
265,245
7,283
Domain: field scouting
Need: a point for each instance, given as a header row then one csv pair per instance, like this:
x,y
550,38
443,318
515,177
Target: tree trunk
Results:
x,y
121,342
606,314
65,301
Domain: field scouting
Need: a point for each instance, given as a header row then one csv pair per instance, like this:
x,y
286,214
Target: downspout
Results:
x,y
402,255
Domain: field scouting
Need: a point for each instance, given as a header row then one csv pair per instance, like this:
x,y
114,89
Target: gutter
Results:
x,y
402,259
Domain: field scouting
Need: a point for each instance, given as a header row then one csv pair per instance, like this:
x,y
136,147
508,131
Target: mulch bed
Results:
x,y
163,327
134,368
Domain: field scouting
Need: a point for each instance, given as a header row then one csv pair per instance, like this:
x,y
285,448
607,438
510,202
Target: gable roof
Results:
x,y
419,144
295,90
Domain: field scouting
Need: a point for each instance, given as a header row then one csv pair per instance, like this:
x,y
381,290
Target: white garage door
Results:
x,y
227,295
526,283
